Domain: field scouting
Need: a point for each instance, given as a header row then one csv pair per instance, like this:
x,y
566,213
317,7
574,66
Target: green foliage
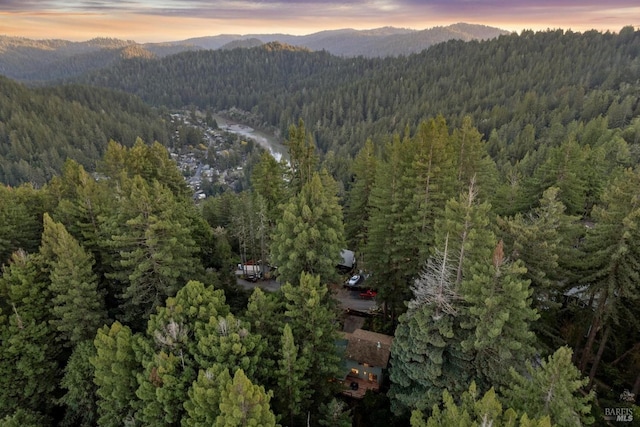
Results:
x,y
303,159
43,127
358,209
78,308
395,246
293,386
155,248
22,418
335,414
267,181
28,353
312,324
552,389
20,220
244,404
172,354
115,366
310,234
426,358
499,308
80,398
473,411
203,406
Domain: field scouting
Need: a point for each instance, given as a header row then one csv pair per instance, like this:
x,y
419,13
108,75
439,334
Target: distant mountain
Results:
x,y
379,42
243,44
45,60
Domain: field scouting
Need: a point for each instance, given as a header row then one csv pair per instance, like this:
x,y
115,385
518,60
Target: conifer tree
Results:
x,y
564,168
154,248
313,327
310,234
552,389
543,241
228,342
80,398
465,226
474,410
115,366
244,404
20,222
335,414
28,353
358,207
303,159
293,387
427,356
432,173
170,353
77,306
267,181
205,394
498,301
611,263
473,161
395,248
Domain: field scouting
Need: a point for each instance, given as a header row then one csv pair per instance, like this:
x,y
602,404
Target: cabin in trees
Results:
x,y
348,262
365,360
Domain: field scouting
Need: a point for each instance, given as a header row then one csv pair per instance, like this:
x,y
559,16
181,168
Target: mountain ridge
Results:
x,y
31,60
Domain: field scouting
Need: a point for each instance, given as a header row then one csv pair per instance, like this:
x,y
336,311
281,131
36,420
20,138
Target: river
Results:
x,y
268,141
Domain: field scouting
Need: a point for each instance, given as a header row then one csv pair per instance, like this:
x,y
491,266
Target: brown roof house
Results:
x,y
365,360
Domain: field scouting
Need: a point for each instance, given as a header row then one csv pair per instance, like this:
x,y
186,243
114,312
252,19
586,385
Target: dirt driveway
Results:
x,y
348,298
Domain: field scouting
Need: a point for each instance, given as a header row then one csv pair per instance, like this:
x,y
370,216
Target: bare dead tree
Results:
x,y
435,285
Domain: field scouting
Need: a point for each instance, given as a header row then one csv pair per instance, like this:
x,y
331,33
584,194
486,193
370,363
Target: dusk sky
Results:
x,y
164,20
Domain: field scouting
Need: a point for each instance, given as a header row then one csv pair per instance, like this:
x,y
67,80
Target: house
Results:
x,y
348,262
366,358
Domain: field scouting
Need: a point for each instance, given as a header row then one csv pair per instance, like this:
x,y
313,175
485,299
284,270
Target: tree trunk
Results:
x,y
595,325
596,362
586,352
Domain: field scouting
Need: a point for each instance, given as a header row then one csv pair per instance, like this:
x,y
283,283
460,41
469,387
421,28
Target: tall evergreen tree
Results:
x,y
293,387
427,356
205,395
358,207
171,358
20,220
498,301
474,410
553,389
310,234
267,180
115,366
611,264
244,404
80,399
303,159
395,249
155,249
78,308
313,326
28,354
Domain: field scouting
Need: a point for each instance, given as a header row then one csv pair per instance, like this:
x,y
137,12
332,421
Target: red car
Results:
x,y
369,294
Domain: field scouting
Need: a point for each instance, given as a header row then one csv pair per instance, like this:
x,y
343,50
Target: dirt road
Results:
x,y
348,298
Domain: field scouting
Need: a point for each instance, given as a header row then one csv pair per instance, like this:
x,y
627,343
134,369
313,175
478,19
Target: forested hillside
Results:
x,y
41,128
489,190
528,87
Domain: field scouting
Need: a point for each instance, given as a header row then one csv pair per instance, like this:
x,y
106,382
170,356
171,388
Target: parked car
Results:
x,y
368,294
354,282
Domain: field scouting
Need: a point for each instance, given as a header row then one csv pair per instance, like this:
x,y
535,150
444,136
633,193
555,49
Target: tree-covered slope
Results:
x,y
504,84
41,128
